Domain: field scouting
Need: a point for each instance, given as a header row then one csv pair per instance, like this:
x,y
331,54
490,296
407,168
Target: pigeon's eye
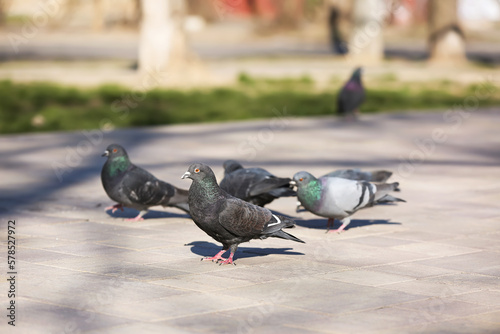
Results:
x,y
115,150
301,179
197,170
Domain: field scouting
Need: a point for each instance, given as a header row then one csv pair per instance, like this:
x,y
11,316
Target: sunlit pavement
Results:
x,y
428,265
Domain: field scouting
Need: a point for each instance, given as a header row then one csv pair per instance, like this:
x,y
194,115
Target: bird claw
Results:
x,y
134,219
115,207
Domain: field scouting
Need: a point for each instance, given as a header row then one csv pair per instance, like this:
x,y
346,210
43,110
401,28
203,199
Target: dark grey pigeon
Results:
x,y
228,219
136,188
337,198
351,96
254,185
359,175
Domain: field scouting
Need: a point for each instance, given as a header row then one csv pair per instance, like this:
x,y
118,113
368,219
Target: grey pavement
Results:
x,y
430,265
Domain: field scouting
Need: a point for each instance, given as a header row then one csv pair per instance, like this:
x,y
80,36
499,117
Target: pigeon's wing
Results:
x,y
347,195
237,183
142,187
359,175
268,184
243,219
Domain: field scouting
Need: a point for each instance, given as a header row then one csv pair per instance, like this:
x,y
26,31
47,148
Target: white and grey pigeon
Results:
x,y
255,185
338,198
228,219
358,175
133,187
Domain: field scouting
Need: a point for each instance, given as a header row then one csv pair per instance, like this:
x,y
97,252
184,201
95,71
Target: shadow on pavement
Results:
x,y
320,223
204,248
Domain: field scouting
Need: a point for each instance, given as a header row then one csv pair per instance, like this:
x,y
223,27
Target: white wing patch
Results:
x,y
278,221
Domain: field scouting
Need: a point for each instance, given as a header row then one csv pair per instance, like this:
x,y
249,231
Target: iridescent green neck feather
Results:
x,y
311,193
118,165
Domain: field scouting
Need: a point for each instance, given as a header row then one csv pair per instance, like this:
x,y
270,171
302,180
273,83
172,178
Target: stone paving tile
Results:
x,y
335,296
434,249
379,241
491,298
40,255
478,242
368,321
366,277
140,327
491,317
135,243
38,317
201,283
457,326
468,280
413,269
483,262
431,307
280,270
429,287
200,304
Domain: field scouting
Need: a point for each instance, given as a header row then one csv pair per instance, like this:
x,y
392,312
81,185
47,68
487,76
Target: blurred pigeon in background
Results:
x,y
334,197
136,188
228,219
254,185
351,96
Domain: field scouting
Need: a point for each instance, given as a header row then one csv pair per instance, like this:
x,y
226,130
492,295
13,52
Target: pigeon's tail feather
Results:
x,y
389,199
383,190
268,185
179,199
283,235
380,175
183,206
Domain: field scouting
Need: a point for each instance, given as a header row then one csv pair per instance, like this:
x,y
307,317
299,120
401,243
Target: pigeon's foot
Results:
x,y
115,207
136,219
229,260
216,257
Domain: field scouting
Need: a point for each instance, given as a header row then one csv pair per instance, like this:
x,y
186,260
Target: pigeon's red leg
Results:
x,y
216,257
114,208
345,222
138,218
329,224
229,260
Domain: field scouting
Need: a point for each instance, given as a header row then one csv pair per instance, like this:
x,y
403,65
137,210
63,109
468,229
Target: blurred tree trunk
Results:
x,y
367,44
446,38
98,17
3,13
289,13
163,49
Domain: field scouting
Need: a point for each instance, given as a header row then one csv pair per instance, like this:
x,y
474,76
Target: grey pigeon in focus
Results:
x,y
254,185
359,175
337,198
228,219
136,188
351,96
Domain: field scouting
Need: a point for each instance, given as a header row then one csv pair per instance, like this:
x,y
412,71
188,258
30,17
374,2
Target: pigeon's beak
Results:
x,y
105,154
293,183
185,175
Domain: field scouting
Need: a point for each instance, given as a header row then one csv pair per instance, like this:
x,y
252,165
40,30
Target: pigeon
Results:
x,y
254,185
351,96
228,219
359,175
334,197
133,187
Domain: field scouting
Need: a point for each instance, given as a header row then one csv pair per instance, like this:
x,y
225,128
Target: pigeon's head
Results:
x,y
114,150
231,165
198,171
302,179
356,75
